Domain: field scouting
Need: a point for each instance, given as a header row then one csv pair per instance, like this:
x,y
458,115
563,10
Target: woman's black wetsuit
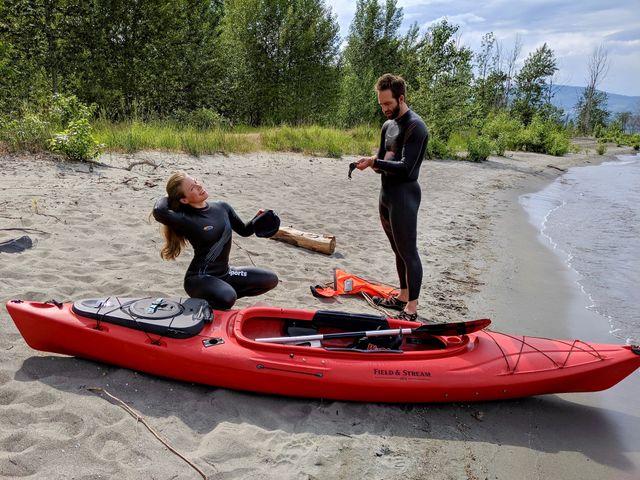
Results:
x,y
209,275
400,194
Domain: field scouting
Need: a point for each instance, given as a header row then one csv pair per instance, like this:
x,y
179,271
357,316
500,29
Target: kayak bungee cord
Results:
x,y
593,351
121,307
573,346
101,316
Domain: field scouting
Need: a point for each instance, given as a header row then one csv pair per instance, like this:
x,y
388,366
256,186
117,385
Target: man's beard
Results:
x,y
395,112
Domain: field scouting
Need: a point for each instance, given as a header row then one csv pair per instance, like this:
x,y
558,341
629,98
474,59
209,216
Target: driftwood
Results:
x,y
311,241
142,162
141,419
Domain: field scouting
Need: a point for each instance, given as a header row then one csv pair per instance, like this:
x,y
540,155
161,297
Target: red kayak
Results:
x,y
319,354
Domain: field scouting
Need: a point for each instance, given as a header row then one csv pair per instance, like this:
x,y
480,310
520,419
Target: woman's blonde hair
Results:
x,y
173,242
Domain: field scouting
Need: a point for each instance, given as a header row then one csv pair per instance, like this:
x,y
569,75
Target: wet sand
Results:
x,y
532,291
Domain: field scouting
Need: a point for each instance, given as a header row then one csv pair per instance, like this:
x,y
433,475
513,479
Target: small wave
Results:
x,y
588,216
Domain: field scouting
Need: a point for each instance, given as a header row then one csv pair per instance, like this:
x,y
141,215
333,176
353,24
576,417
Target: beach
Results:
x,y
92,237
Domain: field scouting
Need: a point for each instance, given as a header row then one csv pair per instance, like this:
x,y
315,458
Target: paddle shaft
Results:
x,y
329,336
445,329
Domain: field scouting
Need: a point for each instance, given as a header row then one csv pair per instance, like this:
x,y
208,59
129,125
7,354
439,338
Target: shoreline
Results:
x,y
96,241
532,290
538,207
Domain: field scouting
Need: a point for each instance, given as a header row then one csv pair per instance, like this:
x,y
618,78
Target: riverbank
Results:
x,y
92,237
530,289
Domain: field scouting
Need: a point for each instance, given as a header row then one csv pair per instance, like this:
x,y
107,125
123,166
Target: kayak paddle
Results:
x,y
444,329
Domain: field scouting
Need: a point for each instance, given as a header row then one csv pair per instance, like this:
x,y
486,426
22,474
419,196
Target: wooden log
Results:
x,y
311,241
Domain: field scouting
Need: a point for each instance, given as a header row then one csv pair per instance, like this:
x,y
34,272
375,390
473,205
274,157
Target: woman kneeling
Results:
x,y
207,226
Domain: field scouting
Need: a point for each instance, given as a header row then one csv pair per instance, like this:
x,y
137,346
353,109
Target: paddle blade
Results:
x,y
454,328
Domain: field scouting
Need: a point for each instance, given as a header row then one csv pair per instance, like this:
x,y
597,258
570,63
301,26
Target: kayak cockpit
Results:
x,y
273,328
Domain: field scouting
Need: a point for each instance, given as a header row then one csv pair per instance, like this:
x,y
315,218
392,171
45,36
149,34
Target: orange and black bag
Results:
x,y
346,284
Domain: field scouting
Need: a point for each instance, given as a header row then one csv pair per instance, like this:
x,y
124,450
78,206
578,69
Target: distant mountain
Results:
x,y
566,97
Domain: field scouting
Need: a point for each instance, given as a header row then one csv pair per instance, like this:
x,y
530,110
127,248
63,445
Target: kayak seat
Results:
x,y
324,320
297,328
349,321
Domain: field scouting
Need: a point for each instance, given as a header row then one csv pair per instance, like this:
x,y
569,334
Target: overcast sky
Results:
x,y
571,28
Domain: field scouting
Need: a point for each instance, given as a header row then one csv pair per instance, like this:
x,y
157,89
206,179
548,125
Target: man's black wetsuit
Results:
x,y
209,231
406,137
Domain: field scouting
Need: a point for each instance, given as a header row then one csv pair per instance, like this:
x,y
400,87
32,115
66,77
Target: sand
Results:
x,y
92,237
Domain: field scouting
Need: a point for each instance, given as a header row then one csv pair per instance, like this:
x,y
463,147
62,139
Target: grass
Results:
x,y
135,136
32,134
168,136
315,140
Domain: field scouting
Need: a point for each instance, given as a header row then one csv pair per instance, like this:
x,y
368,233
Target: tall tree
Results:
x,y
445,94
134,55
38,37
374,47
311,41
12,80
183,62
592,111
139,55
280,60
624,119
532,83
490,81
34,29
408,67
510,70
634,120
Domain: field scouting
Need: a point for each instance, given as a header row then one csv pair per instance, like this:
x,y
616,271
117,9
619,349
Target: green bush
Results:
x,y
76,142
501,144
504,130
437,148
479,148
29,133
457,142
532,138
598,131
67,108
202,119
575,148
601,148
544,136
557,144
628,139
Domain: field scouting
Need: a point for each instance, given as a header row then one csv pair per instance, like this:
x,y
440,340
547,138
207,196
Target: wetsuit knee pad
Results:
x,y
223,303
217,292
271,280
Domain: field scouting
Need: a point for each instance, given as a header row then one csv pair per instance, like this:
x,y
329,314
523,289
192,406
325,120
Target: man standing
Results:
x,y
403,142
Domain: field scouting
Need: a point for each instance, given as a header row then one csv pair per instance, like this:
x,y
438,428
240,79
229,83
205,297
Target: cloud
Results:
x,y
627,35
460,20
571,29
